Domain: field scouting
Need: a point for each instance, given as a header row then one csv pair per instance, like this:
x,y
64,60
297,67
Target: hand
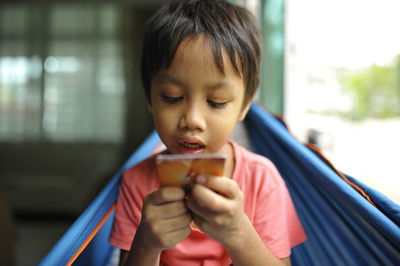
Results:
x,y
165,219
217,209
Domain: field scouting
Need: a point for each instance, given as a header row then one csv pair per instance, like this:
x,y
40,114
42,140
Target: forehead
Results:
x,y
198,51
195,48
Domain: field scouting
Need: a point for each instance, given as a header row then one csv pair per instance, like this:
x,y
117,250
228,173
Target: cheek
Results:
x,y
164,121
222,128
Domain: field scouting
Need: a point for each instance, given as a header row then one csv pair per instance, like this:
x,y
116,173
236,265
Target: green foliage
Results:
x,y
375,91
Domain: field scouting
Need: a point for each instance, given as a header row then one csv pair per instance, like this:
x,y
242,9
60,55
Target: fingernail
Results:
x,y
201,179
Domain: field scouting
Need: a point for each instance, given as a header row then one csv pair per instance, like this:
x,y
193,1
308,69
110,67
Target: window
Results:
x,y
343,85
61,74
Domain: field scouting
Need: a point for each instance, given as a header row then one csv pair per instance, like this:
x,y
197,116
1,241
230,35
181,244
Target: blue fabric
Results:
x,y
387,206
342,227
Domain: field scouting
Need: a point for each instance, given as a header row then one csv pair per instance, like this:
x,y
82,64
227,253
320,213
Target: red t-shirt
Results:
x,y
267,203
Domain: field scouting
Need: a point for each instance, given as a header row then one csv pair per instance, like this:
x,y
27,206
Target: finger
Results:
x,y
222,185
170,239
177,223
203,201
195,208
171,209
200,222
164,195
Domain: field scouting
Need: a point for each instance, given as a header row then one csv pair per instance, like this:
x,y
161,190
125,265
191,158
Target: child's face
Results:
x,y
195,107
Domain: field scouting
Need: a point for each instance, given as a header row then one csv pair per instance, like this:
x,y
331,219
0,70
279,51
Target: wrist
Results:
x,y
248,248
239,238
142,253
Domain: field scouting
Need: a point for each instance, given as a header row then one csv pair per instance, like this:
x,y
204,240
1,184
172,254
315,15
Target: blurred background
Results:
x,y
72,108
342,85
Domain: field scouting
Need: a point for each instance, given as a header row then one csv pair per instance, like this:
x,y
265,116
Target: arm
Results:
x,y
122,257
165,222
287,261
143,257
217,206
250,250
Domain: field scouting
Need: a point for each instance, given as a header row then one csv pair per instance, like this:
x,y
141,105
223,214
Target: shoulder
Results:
x,y
143,166
254,159
257,168
141,173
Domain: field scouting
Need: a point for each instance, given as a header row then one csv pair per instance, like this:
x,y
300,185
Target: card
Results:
x,y
180,169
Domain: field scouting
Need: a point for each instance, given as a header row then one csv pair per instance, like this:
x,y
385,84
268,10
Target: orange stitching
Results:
x,y
360,190
91,236
317,151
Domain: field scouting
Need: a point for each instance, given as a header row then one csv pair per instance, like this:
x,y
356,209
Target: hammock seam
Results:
x,y
91,235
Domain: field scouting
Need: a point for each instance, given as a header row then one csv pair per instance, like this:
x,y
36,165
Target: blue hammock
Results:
x,y
342,226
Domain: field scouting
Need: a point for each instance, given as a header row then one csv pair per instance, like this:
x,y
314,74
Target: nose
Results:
x,y
193,117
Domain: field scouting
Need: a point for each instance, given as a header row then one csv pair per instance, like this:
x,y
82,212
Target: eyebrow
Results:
x,y
221,85
212,86
168,78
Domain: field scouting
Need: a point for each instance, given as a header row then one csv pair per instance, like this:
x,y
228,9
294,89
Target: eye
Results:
x,y
169,99
216,105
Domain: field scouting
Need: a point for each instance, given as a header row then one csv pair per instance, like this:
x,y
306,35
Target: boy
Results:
x,y
200,70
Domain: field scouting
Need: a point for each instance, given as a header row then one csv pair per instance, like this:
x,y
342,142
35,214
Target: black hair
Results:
x,y
226,25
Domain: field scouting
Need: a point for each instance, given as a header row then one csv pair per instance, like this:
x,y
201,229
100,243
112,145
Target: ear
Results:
x,y
245,110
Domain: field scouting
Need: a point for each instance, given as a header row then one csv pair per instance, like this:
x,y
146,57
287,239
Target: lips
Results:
x,y
190,145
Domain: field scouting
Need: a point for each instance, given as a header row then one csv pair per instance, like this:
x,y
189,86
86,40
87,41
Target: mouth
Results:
x,y
188,145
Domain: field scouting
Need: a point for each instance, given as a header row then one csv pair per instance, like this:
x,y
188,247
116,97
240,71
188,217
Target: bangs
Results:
x,y
226,26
